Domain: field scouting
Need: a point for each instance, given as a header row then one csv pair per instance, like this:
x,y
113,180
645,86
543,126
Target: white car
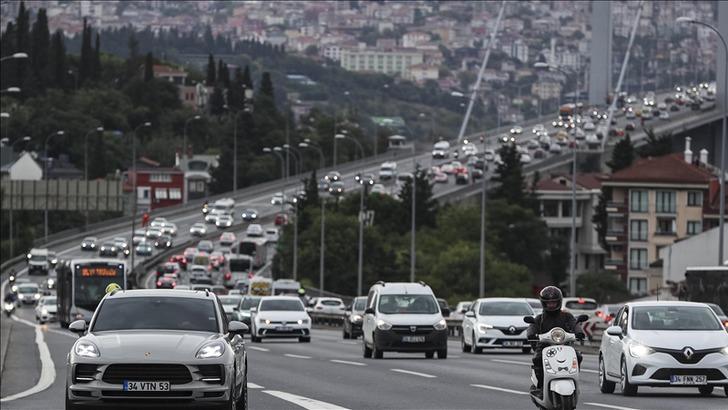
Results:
x,y
272,234
581,306
139,236
664,115
280,317
329,306
589,126
664,344
469,150
278,199
535,305
526,159
555,149
224,221
378,189
460,309
153,233
496,322
198,229
254,231
516,130
45,310
168,228
538,128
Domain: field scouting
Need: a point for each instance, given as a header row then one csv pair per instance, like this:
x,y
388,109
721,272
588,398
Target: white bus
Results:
x,y
286,287
224,206
255,248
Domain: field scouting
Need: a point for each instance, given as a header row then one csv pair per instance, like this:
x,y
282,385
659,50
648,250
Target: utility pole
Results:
x,y
360,264
481,287
322,247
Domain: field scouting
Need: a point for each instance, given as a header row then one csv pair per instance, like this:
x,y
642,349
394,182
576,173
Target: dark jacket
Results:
x,y
549,320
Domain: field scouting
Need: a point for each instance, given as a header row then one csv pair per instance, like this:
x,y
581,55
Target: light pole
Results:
x,y
47,181
360,262
483,197
314,147
413,254
295,238
336,138
10,90
723,146
135,196
184,135
10,219
296,156
322,247
16,56
85,167
346,137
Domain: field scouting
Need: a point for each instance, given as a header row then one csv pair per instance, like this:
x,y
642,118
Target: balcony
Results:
x,y
616,208
615,237
615,265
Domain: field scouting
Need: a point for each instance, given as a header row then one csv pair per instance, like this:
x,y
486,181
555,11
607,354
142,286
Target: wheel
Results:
x,y
705,390
305,339
429,355
526,349
366,349
69,405
466,347
605,386
254,339
725,389
231,404
346,335
243,399
376,353
442,354
42,322
476,349
628,389
565,402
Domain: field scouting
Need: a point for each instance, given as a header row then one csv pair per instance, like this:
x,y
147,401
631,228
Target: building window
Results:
x,y
637,259
665,202
175,193
695,227
638,201
160,193
666,226
638,286
160,178
695,198
638,230
197,186
550,208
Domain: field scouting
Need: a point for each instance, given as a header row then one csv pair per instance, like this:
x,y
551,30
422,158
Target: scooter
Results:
x,y
560,369
8,308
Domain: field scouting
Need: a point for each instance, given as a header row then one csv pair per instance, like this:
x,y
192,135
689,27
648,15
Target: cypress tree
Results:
x,y
131,63
247,80
217,101
149,67
85,64
223,74
7,47
210,70
21,41
39,50
266,85
97,58
623,154
57,63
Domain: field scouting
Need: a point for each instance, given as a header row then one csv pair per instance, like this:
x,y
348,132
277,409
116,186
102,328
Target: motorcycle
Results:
x,y
560,368
8,308
205,209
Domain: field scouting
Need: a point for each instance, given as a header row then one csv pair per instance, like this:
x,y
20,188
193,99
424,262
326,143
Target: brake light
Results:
x,y
600,313
228,275
159,283
581,301
174,284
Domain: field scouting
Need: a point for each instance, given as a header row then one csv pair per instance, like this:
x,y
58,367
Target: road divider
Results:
x,y
47,367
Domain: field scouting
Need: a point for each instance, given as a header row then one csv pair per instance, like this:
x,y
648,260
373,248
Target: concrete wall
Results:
x,y
700,250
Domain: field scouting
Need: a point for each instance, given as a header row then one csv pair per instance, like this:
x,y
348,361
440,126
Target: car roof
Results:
x,y
403,288
664,303
502,300
173,293
262,298
577,298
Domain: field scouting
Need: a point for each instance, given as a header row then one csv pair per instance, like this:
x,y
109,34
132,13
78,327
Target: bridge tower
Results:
x,y
600,68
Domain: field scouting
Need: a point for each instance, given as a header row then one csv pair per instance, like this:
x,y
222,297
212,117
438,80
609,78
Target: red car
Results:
x,y
281,219
168,281
168,268
179,259
217,259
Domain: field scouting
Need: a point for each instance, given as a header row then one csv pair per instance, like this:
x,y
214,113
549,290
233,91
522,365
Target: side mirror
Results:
x,y
369,311
463,311
236,308
614,331
237,328
78,326
529,319
469,313
582,318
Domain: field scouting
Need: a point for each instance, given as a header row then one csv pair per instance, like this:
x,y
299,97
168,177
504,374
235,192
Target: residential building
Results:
x,y
518,50
195,96
386,61
652,204
197,173
554,196
173,75
156,186
422,72
414,38
21,166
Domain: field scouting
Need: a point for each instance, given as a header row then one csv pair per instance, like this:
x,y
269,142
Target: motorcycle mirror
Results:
x,y
529,319
582,318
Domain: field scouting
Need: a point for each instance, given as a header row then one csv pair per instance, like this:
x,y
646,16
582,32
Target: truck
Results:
x,y
38,261
286,287
388,171
707,284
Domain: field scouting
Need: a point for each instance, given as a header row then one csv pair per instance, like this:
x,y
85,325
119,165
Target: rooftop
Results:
x,y
670,168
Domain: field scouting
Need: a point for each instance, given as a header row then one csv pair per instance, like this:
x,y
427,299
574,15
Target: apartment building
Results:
x,y
652,204
394,61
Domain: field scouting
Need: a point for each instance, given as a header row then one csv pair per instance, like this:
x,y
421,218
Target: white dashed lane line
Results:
x,y
609,406
305,402
483,386
347,362
260,349
297,356
425,375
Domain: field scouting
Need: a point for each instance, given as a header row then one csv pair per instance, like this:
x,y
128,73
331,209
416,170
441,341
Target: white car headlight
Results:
x,y
484,327
302,321
382,325
51,282
37,296
639,350
356,318
85,348
725,350
44,311
441,325
211,350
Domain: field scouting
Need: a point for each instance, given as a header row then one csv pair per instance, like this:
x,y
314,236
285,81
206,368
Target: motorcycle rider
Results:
x,y
552,316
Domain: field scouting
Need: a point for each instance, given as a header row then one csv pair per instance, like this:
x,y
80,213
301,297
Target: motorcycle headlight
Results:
x,y
382,325
85,348
211,350
440,325
484,327
639,350
558,335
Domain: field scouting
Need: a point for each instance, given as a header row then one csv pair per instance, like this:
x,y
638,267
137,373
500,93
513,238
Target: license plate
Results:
x,y
512,343
145,386
284,328
688,380
413,339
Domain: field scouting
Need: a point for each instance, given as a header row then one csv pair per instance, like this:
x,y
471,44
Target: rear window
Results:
x,y
331,303
581,306
281,305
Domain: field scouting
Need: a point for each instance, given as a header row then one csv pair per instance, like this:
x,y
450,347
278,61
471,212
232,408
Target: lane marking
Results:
x,y
297,356
347,343
609,406
260,349
483,386
347,362
305,402
47,370
429,376
254,386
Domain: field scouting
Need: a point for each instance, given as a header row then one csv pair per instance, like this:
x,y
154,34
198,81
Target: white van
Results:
x,y
387,171
224,206
441,150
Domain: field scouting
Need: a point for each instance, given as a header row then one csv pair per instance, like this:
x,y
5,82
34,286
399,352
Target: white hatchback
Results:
x,y
496,322
280,317
664,344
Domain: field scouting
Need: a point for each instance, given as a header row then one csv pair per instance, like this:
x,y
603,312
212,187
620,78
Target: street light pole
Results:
x,y
85,167
413,255
724,148
12,150
295,239
47,182
320,152
360,262
481,285
135,196
322,247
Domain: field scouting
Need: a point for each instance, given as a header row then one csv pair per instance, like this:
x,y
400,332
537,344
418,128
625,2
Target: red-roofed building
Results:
x,y
171,74
652,204
156,186
554,196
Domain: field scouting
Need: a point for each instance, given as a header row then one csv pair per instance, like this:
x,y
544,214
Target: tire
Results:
x,y
366,350
442,354
466,347
566,402
232,404
304,339
476,349
605,386
705,390
346,335
526,350
725,389
628,389
69,405
429,355
376,353
243,400
254,339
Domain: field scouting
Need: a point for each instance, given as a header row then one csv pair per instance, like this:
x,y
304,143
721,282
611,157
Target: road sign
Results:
x,y
367,217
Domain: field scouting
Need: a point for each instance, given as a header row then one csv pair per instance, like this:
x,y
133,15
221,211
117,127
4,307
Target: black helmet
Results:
x,y
551,298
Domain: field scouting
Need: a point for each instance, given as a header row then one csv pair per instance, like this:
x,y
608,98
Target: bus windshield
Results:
x,y
239,265
91,280
247,248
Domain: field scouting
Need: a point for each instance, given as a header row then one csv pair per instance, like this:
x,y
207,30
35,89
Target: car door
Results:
x,y
369,319
469,323
616,344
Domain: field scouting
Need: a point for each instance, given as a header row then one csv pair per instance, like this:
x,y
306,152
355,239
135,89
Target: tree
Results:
x,y
149,67
266,85
223,74
425,205
132,60
512,184
217,101
247,80
622,155
22,26
57,61
656,146
520,235
311,51
40,48
605,287
85,68
96,73
211,77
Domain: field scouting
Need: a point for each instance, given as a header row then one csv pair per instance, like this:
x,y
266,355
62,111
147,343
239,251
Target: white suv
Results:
x,y
403,317
664,344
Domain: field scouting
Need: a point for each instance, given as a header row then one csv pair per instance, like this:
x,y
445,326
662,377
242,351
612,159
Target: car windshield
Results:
x,y
536,304
201,260
159,313
583,305
230,300
408,304
281,305
674,318
248,303
28,289
331,302
505,309
37,258
360,304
